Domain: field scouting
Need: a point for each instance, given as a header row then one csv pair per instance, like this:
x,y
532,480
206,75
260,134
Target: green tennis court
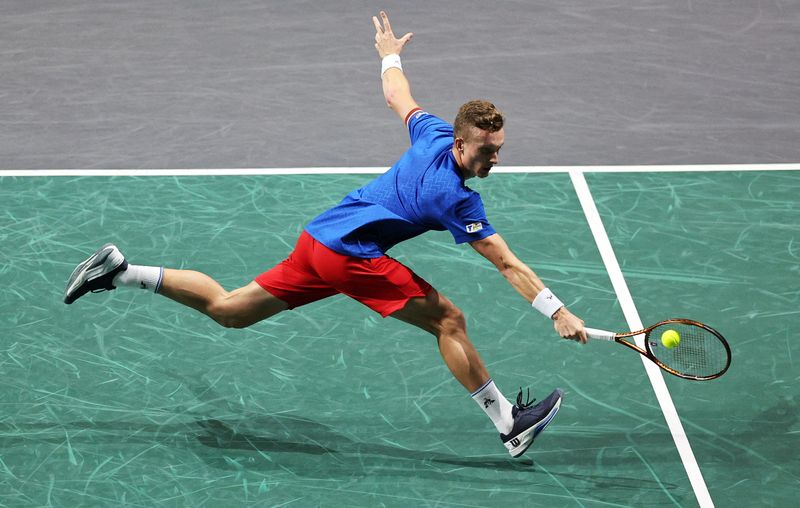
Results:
x,y
127,399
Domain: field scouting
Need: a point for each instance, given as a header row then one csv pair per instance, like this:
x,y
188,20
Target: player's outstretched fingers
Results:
x,y
386,26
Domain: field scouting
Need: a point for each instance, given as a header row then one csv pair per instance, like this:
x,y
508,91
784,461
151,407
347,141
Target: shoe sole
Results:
x,y
526,437
104,260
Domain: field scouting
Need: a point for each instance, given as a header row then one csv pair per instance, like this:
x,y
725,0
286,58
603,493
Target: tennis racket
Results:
x,y
702,353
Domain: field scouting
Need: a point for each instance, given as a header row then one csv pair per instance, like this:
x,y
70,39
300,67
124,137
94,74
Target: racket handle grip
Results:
x,y
596,334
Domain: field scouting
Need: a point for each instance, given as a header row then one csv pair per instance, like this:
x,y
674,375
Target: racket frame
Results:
x,y
598,334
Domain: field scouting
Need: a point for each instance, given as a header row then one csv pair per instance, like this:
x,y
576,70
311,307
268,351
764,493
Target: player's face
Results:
x,y
479,152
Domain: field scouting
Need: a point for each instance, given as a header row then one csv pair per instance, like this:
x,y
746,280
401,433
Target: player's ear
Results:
x,y
459,144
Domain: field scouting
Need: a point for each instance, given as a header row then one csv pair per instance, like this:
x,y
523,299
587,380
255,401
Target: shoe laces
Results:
x,y
528,403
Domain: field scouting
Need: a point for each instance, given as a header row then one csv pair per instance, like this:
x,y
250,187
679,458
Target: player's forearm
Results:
x,y
522,279
396,90
528,284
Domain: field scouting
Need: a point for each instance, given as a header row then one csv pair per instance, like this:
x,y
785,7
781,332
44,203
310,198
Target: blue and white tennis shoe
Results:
x,y
529,421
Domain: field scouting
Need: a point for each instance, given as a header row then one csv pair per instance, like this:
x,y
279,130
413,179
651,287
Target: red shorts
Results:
x,y
313,272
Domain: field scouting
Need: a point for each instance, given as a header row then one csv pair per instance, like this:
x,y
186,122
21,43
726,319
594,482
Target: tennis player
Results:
x,y
343,250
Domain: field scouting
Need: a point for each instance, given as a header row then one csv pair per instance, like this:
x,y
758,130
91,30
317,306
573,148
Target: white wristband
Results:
x,y
547,303
390,61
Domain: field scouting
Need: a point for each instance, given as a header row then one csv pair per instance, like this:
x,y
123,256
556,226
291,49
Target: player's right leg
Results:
x,y
518,424
107,269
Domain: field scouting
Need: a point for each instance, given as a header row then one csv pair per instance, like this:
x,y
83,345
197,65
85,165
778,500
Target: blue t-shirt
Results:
x,y
424,190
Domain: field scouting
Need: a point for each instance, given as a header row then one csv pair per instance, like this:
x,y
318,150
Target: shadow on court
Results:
x,y
312,449
309,437
309,449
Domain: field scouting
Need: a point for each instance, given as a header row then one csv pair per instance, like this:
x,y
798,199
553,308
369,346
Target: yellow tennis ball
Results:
x,y
670,339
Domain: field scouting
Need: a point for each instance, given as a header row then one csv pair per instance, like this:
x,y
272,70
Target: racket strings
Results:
x,y
700,353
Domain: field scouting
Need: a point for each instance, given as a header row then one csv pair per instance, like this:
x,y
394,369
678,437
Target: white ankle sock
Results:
x,y
495,405
143,277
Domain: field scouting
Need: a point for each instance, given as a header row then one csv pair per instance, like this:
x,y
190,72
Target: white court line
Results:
x,y
635,323
380,169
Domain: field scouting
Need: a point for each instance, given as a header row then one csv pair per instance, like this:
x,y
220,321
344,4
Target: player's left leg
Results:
x,y
239,308
108,269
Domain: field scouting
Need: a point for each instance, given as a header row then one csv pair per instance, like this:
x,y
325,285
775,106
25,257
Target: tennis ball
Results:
x,y
670,339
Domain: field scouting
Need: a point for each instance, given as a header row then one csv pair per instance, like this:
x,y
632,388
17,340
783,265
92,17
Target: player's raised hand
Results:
x,y
385,41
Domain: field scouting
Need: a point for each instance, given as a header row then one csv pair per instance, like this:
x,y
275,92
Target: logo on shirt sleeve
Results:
x,y
474,227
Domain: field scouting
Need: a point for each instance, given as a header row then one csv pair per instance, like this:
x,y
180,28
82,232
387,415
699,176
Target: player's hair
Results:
x,y
478,113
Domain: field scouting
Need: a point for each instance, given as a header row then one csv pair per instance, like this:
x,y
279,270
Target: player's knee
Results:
x,y
452,321
234,322
223,313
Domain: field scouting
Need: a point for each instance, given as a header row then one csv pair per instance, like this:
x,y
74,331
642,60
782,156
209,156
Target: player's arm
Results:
x,y
396,89
527,283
